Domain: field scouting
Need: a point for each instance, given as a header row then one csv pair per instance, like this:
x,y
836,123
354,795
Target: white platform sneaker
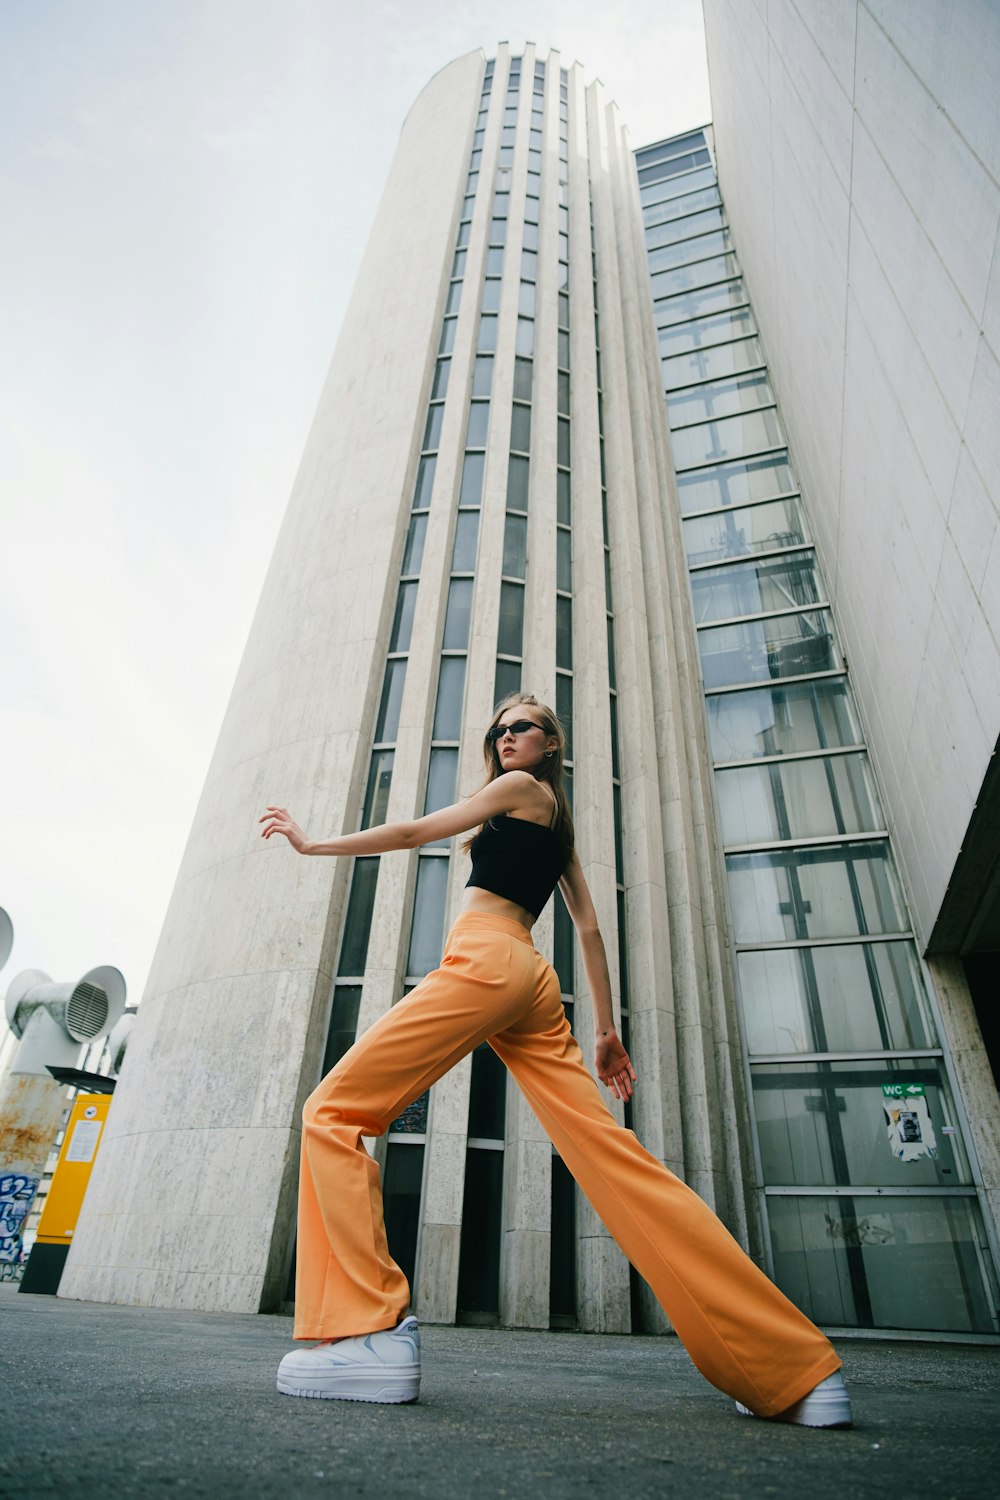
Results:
x,y
827,1405
382,1367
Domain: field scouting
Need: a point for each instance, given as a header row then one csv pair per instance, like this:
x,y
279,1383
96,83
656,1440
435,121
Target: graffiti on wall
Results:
x,y
17,1190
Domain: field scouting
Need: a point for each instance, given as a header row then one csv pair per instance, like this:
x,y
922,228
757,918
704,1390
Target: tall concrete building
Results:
x,y
495,495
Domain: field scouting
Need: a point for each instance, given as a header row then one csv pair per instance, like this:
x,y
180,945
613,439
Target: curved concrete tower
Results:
x,y
485,502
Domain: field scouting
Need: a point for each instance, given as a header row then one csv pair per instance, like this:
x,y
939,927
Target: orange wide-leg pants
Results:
x,y
740,1330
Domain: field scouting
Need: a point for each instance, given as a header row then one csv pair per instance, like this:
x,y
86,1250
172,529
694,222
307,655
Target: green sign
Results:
x,y
902,1090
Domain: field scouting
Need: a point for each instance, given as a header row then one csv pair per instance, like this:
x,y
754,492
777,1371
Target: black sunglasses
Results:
x,y
497,731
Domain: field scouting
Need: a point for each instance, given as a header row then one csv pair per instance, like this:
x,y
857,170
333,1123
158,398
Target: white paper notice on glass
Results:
x,y
83,1142
909,1129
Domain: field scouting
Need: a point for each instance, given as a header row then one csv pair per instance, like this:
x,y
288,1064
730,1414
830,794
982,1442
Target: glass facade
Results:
x,y
868,1191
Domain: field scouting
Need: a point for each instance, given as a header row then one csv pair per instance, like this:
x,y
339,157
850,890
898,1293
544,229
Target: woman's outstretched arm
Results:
x,y
614,1067
515,792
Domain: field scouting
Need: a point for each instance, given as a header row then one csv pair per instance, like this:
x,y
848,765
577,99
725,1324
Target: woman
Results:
x,y
740,1330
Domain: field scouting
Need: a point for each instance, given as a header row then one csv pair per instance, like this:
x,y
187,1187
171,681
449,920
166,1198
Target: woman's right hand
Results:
x,y
280,820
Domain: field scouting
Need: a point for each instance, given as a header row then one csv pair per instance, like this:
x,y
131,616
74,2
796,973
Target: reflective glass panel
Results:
x,y
432,429
498,231
441,372
478,1297
392,692
487,1095
658,192
872,1262
520,428
698,305
712,362
785,646
736,483
448,709
377,790
564,633
564,351
727,439
782,720
530,236
831,1123
517,484
479,422
848,997
507,679
454,297
441,773
683,250
482,376
463,556
677,208
494,262
623,973
563,945
719,398
704,332
835,891
457,615
424,484
701,273
529,265
524,339
564,561
564,709
797,799
510,630
739,533
562,442
515,546
562,393
754,587
343,1025
522,379
358,921
563,500
447,336
668,232
490,304
427,932
473,468
526,299
413,552
402,624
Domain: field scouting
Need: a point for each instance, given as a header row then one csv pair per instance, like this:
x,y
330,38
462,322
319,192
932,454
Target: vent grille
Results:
x,y
87,1011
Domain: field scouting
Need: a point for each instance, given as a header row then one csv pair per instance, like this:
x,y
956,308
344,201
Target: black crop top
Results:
x,y
516,859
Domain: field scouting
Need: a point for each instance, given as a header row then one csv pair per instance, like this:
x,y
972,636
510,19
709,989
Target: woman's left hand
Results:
x,y
280,820
614,1067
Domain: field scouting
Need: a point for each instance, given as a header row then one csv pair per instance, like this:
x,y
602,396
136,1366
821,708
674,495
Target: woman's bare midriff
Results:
x,y
476,899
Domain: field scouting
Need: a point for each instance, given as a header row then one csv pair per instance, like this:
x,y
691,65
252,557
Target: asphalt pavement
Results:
x,y
110,1402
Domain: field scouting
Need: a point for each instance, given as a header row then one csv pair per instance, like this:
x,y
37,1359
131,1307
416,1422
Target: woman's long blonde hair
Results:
x,y
550,771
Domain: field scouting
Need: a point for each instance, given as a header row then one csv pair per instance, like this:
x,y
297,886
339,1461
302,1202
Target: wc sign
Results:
x,y
902,1090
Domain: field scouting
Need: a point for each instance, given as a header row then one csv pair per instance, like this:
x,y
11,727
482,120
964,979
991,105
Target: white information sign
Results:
x,y
83,1142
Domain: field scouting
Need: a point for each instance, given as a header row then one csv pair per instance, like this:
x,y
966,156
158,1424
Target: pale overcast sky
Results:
x,y
186,188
